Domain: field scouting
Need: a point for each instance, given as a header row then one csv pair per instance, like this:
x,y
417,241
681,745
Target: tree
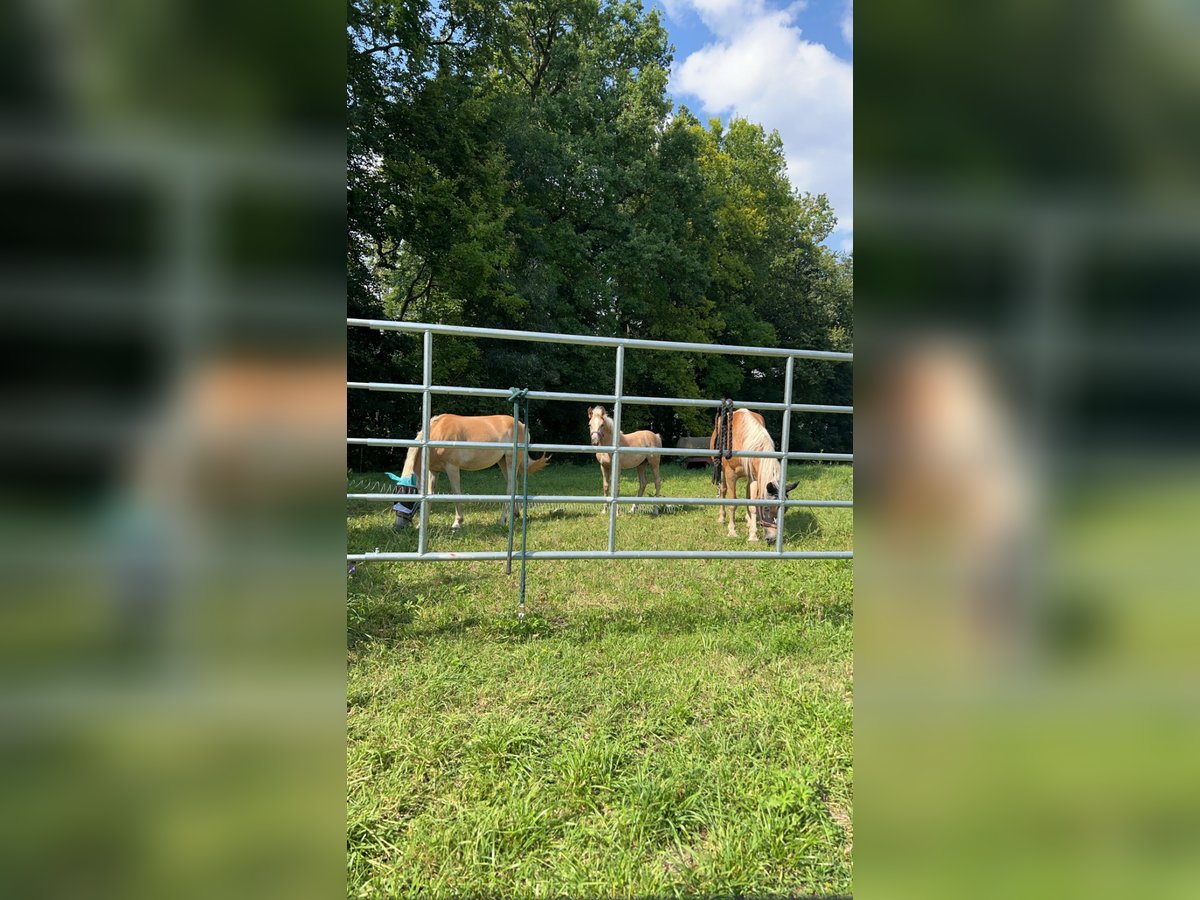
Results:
x,y
517,164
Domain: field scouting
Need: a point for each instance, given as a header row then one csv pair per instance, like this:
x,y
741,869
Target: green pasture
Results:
x,y
653,727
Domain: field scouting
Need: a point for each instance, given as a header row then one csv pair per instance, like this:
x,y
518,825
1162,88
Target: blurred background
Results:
x,y
1028,266
173,423
172,420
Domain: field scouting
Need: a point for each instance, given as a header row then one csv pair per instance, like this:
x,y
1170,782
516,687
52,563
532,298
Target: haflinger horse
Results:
x,y
453,460
600,424
749,432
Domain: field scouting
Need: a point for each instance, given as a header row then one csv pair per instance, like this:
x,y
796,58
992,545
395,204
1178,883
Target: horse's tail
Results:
x,y
536,465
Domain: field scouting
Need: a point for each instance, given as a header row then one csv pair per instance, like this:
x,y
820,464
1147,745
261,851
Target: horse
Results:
x,y
600,424
957,483
453,460
748,431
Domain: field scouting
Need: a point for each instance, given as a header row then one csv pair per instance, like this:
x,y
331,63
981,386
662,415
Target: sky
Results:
x,y
787,66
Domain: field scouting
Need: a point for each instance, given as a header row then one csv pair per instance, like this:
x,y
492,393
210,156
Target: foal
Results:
x,y
600,424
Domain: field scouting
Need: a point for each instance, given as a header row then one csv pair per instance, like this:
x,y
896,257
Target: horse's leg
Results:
x,y
509,467
731,480
604,486
654,462
720,493
641,483
751,511
431,483
452,472
614,482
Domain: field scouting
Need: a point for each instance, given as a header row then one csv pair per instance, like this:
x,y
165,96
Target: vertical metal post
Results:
x,y
1051,252
512,490
784,441
426,505
618,389
524,513
187,268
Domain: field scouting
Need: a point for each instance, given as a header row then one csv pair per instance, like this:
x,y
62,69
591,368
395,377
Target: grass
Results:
x,y
653,727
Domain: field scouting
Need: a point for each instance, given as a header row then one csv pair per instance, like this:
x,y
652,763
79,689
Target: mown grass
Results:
x,y
653,727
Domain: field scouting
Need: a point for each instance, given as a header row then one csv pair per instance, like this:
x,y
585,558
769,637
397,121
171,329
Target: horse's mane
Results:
x,y
768,471
757,438
754,435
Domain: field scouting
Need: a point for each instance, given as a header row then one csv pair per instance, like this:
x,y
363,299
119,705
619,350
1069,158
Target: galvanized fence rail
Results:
x,y
617,399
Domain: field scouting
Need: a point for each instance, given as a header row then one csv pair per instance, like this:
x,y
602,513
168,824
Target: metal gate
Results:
x,y
428,389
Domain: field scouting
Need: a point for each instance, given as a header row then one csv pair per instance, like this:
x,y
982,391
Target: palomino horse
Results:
x,y
452,460
748,432
600,424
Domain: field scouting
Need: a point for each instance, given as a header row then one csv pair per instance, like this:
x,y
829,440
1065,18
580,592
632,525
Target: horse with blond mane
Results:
x,y
748,431
453,460
601,426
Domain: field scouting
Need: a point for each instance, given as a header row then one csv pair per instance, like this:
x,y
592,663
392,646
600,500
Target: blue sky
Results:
x,y
785,65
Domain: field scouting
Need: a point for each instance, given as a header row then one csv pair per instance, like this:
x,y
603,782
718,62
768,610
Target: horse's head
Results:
x,y
766,514
405,510
596,421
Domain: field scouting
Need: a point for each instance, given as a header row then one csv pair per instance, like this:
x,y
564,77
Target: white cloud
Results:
x,y
760,67
848,23
719,16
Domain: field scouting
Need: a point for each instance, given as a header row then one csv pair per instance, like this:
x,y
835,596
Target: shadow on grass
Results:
x,y
380,607
800,522
668,621
564,513
546,619
383,535
668,510
454,628
381,621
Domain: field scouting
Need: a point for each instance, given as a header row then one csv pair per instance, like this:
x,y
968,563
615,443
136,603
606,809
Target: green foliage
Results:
x,y
519,164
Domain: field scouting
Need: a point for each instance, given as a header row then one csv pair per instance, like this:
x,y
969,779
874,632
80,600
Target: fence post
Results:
x,y
426,504
512,502
524,511
618,390
784,441
427,389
